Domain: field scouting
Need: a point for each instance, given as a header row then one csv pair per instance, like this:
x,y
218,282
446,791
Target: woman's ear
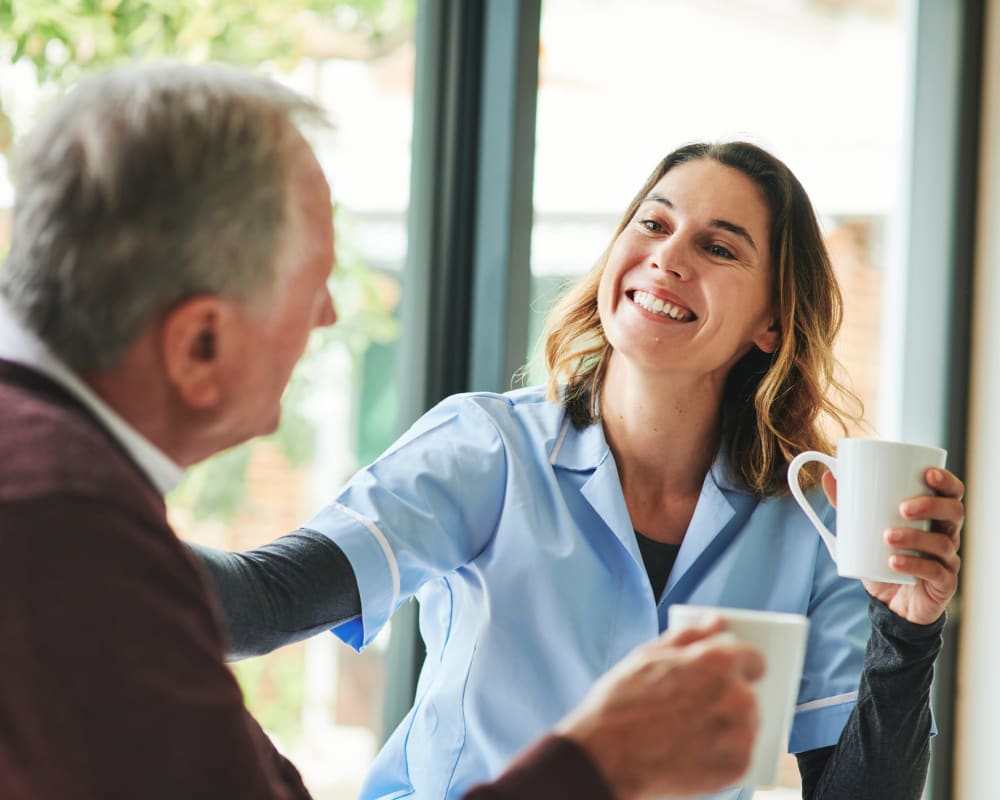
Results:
x,y
190,337
768,340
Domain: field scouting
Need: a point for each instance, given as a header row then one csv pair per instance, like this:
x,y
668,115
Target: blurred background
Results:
x,y
481,154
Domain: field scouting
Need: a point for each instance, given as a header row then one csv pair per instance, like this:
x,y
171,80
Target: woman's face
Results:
x,y
687,284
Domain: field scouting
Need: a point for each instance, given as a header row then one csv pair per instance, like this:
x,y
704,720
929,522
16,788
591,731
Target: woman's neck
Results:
x,y
664,433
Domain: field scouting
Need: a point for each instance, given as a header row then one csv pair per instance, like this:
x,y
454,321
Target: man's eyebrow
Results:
x,y
725,225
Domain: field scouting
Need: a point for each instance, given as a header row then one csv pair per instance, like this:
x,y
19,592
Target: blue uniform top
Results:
x,y
510,527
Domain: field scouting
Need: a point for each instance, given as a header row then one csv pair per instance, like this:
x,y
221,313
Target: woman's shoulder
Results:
x,y
517,404
521,418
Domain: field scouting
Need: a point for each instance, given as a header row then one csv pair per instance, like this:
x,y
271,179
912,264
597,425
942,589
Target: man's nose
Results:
x,y
328,312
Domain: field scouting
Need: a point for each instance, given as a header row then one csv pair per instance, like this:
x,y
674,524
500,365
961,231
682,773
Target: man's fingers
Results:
x,y
695,633
752,665
723,654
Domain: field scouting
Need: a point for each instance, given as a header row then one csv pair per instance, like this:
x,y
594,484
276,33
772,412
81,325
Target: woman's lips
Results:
x,y
664,308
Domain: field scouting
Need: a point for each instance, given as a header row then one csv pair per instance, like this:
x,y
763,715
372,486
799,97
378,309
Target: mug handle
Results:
x,y
793,483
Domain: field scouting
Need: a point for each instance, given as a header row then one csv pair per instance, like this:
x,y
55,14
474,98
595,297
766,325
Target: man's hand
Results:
x,y
676,717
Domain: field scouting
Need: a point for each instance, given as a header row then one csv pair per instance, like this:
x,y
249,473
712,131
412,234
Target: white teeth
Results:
x,y
658,306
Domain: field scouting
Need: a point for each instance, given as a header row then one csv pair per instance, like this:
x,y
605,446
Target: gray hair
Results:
x,y
144,187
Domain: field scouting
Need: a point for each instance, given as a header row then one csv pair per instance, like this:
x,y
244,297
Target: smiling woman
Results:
x,y
653,431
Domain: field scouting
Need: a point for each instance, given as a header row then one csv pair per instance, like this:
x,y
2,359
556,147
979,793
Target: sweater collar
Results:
x,y
21,346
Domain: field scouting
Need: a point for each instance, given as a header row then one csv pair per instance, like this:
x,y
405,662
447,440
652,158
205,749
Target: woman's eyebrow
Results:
x,y
732,227
725,225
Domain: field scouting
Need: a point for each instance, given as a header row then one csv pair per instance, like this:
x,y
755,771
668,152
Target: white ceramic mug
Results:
x,y
781,639
873,477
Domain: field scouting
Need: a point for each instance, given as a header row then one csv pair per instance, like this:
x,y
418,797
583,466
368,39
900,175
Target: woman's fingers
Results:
x,y
943,578
929,544
944,509
945,483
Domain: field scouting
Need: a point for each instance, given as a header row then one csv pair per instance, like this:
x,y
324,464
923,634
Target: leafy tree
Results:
x,y
65,38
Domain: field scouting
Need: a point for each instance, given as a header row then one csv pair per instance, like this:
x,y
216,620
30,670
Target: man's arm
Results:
x,y
554,767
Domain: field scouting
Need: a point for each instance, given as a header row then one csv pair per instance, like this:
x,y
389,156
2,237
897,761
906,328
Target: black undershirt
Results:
x,y
659,558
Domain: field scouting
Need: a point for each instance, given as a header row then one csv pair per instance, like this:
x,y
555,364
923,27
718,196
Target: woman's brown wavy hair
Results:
x,y
774,405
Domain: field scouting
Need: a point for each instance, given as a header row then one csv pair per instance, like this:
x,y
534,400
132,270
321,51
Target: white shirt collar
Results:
x,y
20,345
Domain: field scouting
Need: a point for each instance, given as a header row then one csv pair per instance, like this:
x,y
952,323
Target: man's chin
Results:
x,y
269,427
259,428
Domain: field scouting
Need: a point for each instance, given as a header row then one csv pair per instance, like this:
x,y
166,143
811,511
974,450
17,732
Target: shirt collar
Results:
x,y
20,345
584,449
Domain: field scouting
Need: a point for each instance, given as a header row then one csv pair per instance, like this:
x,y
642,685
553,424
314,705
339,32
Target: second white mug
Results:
x,y
781,638
873,477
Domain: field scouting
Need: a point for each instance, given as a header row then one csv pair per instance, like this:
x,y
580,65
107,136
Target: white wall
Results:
x,y
977,740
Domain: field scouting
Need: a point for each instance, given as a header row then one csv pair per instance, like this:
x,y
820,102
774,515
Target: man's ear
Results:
x,y
190,336
768,340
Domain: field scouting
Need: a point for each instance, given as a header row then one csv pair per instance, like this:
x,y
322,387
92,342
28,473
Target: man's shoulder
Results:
x,y
49,444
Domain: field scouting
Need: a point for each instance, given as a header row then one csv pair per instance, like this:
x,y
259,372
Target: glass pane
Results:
x,y
820,83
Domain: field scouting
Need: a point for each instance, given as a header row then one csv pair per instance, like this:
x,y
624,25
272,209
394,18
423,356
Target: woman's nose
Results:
x,y
673,258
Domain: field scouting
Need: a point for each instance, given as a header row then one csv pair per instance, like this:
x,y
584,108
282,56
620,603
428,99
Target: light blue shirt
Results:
x,y
510,527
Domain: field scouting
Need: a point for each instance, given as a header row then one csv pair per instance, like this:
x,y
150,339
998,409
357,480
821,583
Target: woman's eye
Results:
x,y
651,225
720,251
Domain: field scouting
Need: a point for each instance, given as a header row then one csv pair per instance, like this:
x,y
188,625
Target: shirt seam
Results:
x,y
826,702
383,543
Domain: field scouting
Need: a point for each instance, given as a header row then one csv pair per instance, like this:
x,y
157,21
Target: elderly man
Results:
x,y
171,246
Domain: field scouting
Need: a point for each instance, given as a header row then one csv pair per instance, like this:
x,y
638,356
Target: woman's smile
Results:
x,y
660,307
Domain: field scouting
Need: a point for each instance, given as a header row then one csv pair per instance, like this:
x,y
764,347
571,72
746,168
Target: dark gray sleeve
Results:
x,y
884,749
282,592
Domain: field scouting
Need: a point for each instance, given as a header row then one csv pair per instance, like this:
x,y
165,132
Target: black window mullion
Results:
x,y
457,42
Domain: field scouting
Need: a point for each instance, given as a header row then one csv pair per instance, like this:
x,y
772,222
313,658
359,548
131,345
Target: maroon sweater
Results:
x,y
112,679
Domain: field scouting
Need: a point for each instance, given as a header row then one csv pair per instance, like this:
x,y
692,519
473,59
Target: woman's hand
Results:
x,y
936,569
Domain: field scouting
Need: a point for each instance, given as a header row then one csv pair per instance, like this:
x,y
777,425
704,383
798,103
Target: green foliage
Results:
x,y
274,688
215,489
365,299
65,38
